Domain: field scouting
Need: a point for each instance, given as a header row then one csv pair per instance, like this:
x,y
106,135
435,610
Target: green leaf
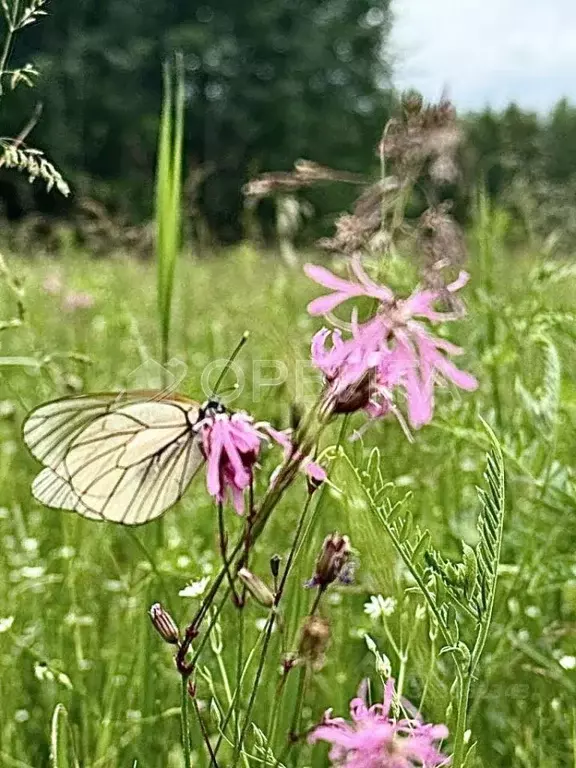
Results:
x,y
470,569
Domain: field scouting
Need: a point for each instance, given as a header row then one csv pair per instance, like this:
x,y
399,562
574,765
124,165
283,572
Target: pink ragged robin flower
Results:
x,y
231,444
395,346
374,739
77,300
311,468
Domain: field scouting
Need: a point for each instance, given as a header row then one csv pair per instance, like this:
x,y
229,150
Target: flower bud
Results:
x,y
332,562
314,641
164,624
275,561
256,587
315,476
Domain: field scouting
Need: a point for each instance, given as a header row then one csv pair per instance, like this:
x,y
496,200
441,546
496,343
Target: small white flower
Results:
x,y
6,624
66,552
262,623
113,585
568,662
32,571
380,607
195,589
382,662
73,619
43,672
64,680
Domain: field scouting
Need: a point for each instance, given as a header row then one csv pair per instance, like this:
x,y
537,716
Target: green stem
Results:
x,y
239,667
464,681
205,735
258,677
223,548
184,725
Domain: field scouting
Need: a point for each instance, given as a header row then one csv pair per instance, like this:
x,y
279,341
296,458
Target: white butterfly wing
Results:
x,y
120,458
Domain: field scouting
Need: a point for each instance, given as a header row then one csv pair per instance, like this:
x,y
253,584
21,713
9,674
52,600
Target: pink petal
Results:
x,y
371,288
214,453
460,282
315,471
325,304
282,438
328,279
237,499
456,376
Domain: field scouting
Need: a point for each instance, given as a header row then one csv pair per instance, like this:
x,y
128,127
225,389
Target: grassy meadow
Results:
x,y
79,591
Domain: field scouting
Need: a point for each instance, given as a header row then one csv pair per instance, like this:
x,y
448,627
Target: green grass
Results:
x,y
79,591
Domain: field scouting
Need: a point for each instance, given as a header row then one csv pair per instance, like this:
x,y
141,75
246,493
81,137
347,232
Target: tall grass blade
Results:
x,y
169,196
62,754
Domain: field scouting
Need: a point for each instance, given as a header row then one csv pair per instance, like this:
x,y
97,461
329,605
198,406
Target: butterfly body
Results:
x,y
122,457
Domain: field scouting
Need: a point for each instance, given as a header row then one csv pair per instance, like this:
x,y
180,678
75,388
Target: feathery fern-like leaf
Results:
x,y
490,524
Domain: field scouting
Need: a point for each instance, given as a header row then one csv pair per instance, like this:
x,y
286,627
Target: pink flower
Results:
x,y
52,284
311,468
231,444
394,347
77,300
373,739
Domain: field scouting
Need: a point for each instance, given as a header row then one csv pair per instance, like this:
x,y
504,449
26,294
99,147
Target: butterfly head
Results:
x,y
210,408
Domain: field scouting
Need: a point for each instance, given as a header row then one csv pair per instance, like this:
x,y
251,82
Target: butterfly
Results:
x,y
123,457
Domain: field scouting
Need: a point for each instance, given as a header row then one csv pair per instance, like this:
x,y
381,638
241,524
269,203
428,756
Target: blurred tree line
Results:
x,y
267,83
528,164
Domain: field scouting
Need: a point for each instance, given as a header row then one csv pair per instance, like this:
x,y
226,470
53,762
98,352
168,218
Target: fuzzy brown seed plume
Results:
x,y
314,640
332,561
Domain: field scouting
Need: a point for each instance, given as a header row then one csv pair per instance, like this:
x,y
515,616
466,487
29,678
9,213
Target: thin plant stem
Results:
x,y
236,704
464,682
230,360
271,620
235,696
257,678
205,736
185,725
429,674
295,722
223,551
206,636
293,550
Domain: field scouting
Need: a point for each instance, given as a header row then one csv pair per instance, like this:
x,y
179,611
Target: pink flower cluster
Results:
x,y
393,351
373,739
231,444
71,300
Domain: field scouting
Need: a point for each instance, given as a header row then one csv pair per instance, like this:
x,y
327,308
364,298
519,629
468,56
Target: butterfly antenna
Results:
x,y
230,360
231,388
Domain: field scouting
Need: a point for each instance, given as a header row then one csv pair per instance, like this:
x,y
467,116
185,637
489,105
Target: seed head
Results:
x,y
314,641
333,561
257,588
275,561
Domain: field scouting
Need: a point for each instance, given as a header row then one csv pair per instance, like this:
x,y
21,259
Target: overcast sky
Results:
x,y
487,51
